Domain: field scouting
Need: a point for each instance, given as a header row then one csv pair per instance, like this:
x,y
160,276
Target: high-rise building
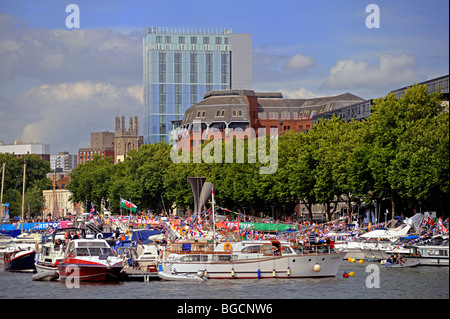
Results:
x,y
182,64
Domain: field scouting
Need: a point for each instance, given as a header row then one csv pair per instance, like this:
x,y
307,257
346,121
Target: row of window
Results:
x,y
284,115
193,40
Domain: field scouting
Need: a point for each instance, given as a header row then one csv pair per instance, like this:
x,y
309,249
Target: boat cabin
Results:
x,y
82,247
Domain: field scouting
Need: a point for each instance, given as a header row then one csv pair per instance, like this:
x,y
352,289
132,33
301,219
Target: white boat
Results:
x,y
373,244
200,276
51,252
250,259
429,255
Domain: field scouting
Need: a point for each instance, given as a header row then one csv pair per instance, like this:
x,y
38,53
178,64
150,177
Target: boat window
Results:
x,y
81,252
194,258
436,252
254,249
222,258
268,249
286,250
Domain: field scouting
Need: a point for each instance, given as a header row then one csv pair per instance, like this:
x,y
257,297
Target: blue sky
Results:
x,y
58,85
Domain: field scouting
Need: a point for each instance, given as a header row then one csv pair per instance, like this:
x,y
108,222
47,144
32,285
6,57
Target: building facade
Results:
x,y
63,162
19,149
126,139
228,111
183,64
102,143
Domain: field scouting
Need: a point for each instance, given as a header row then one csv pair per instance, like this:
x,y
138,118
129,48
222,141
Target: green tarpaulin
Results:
x,y
267,227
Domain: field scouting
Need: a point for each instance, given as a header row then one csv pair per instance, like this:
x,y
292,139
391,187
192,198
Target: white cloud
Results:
x,y
55,56
63,115
390,72
301,93
299,62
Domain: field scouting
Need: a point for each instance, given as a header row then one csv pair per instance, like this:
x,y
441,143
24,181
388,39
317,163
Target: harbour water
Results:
x,y
370,281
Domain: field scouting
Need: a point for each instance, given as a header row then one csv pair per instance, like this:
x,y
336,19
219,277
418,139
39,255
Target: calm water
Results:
x,y
411,283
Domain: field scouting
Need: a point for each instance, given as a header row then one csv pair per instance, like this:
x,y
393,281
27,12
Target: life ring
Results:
x,y
99,236
227,247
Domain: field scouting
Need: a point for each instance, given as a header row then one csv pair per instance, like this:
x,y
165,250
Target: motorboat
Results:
x,y
19,260
51,251
90,260
250,259
406,264
20,253
429,255
373,244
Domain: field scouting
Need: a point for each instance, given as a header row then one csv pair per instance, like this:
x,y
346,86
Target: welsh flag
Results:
x,y
128,205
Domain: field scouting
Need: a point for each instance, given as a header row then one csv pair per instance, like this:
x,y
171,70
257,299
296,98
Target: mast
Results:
x,y
1,193
214,216
23,193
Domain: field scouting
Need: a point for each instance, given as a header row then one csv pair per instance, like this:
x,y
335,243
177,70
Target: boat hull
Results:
x,y
20,261
293,266
89,271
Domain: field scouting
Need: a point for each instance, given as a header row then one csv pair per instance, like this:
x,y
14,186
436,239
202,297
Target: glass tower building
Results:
x,y
182,64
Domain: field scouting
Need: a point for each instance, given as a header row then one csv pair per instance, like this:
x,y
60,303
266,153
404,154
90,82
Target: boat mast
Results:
x,y
23,193
1,193
214,216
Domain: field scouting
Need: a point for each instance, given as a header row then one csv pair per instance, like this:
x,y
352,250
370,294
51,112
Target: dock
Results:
x,y
140,275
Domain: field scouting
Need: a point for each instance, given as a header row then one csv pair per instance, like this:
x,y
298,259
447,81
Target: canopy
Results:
x,y
267,227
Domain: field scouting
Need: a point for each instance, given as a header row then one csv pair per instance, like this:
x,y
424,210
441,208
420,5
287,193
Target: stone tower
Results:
x,y
126,139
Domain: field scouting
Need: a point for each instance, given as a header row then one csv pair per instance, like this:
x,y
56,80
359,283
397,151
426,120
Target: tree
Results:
x,y
89,182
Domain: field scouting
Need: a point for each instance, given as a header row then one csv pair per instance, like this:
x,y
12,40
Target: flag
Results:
x,y
92,210
128,205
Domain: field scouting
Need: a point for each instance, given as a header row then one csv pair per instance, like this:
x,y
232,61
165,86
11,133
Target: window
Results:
x,y
295,115
254,249
262,115
234,113
223,113
240,112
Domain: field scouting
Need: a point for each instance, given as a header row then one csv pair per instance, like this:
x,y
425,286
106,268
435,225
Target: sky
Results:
x,y
59,84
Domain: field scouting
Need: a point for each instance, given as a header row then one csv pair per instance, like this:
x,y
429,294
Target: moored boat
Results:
x,y
19,260
251,259
90,260
51,252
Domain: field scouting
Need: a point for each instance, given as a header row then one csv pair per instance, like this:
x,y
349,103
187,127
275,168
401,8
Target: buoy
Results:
x,y
361,261
232,272
345,275
274,273
353,260
316,268
350,259
288,271
351,274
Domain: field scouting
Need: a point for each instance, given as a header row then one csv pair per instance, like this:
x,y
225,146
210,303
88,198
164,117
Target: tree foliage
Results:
x,y
400,153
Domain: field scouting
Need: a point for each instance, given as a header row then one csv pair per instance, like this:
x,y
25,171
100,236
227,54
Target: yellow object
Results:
x,y
351,274
353,260
227,247
361,261
350,259
316,268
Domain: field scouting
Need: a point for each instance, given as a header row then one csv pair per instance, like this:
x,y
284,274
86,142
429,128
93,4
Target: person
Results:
x,y
394,259
389,261
400,259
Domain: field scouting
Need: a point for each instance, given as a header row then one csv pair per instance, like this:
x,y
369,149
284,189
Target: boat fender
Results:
x,y
288,271
227,247
316,268
99,236
259,273
274,273
232,272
